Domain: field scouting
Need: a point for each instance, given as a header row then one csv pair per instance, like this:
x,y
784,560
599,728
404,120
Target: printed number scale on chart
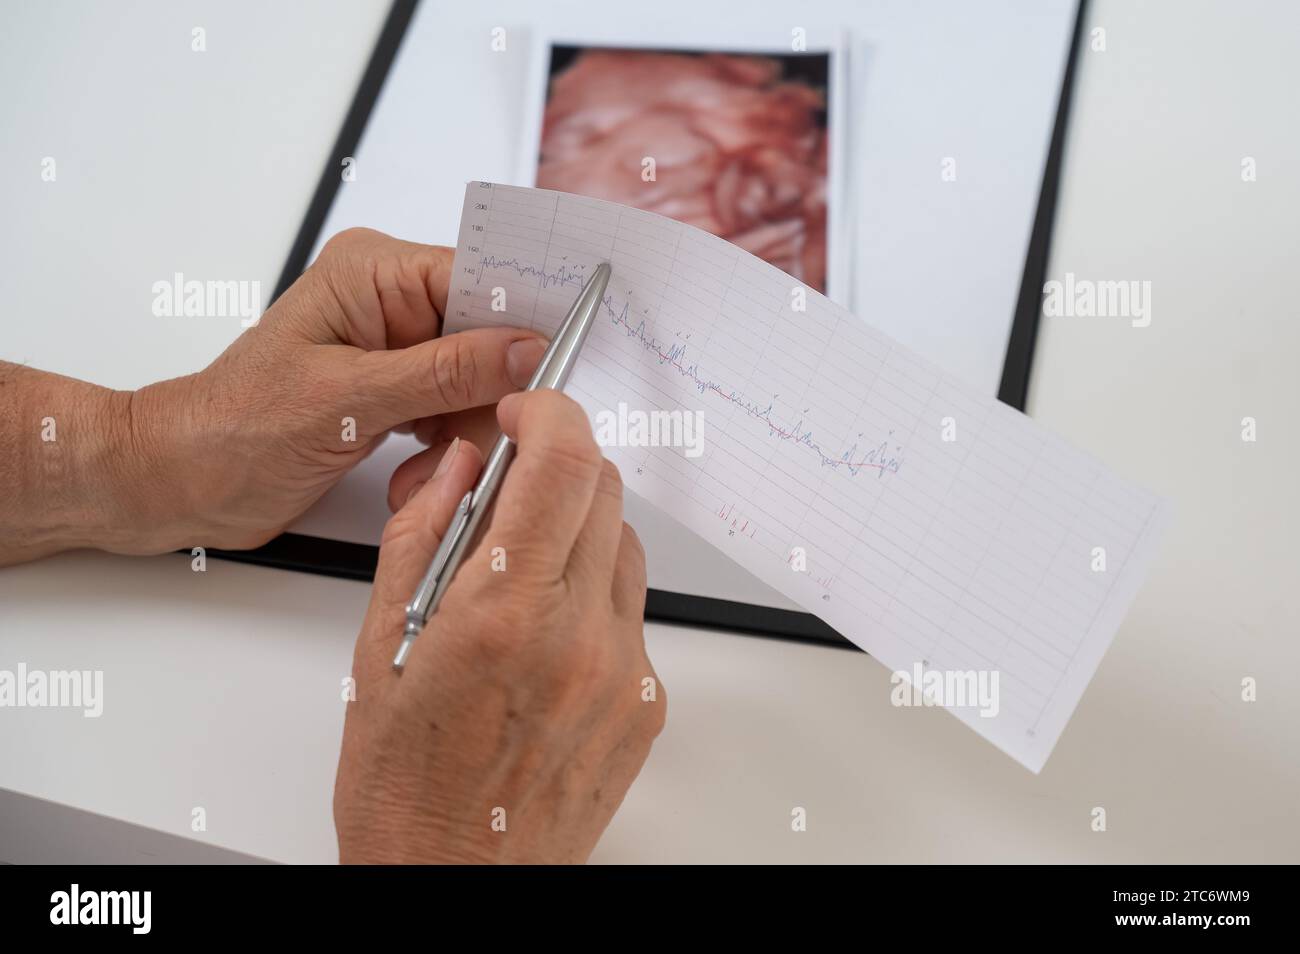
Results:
x,y
928,524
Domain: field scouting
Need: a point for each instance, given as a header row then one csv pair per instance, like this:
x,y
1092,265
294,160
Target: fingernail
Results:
x,y
447,459
522,359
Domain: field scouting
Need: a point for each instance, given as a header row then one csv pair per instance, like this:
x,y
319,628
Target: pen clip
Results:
x,y
459,520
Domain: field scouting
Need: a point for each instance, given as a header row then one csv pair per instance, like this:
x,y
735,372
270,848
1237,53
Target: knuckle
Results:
x,y
610,481
348,240
455,372
551,411
572,460
399,526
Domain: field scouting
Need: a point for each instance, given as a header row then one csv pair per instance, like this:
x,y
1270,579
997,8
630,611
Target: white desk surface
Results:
x,y
222,689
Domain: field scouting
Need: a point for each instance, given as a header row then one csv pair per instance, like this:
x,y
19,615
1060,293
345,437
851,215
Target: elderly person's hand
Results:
x,y
230,456
528,705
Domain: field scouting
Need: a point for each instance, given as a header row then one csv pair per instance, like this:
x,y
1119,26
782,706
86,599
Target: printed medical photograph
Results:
x,y
733,143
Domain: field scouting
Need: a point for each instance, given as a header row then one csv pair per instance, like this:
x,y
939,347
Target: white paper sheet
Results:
x,y
931,525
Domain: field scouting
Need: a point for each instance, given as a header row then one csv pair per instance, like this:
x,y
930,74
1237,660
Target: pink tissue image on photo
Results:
x,y
738,150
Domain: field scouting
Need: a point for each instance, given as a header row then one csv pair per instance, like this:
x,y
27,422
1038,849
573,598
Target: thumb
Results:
x,y
464,370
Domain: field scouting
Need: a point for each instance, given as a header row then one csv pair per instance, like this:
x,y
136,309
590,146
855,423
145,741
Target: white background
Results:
x,y
222,688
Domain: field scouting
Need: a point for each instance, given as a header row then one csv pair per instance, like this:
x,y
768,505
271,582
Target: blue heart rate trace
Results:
x,y
878,459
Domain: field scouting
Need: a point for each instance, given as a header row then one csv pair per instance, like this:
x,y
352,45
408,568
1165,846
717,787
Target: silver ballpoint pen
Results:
x,y
552,372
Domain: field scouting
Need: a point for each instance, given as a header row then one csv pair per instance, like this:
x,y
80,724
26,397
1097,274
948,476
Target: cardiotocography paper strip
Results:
x,y
943,532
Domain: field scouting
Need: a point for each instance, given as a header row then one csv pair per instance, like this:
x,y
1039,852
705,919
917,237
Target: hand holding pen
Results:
x,y
552,372
527,706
